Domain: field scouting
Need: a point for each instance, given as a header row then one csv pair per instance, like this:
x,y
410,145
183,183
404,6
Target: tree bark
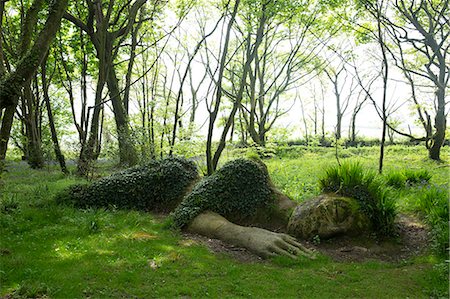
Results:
x,y
88,149
385,70
30,117
5,130
11,84
440,123
127,151
210,164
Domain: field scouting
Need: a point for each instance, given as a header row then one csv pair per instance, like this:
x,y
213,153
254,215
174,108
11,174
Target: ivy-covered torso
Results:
x,y
236,191
158,186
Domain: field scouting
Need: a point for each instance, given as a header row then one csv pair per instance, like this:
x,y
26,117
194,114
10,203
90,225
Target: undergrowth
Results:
x,y
433,204
407,177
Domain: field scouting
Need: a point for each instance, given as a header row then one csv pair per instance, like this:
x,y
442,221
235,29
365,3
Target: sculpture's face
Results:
x,y
326,216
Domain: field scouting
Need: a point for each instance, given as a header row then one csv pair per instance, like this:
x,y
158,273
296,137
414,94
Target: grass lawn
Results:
x,y
52,251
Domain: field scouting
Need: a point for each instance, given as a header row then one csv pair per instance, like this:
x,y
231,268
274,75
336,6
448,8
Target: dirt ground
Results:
x,y
411,240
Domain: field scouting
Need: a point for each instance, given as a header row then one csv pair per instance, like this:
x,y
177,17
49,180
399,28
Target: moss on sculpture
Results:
x,y
236,191
160,185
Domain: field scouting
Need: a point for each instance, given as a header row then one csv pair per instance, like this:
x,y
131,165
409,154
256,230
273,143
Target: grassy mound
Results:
x,y
350,179
235,191
159,185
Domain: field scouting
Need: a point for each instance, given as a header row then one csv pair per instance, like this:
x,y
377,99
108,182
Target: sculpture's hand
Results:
x,y
260,241
269,244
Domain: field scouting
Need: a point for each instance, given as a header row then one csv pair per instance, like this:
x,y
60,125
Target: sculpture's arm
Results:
x,y
260,241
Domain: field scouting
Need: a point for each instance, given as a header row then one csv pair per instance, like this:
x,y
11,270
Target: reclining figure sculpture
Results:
x,y
238,204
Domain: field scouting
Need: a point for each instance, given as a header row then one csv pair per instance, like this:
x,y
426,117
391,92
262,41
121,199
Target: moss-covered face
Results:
x,y
326,216
159,185
235,191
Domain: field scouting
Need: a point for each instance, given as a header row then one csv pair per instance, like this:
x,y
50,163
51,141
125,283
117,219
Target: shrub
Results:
x,y
159,185
235,191
414,177
351,180
407,177
433,203
396,179
9,205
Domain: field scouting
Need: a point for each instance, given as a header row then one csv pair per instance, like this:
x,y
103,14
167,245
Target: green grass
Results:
x,y
62,252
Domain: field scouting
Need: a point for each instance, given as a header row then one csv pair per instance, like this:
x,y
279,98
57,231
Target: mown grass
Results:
x,y
61,252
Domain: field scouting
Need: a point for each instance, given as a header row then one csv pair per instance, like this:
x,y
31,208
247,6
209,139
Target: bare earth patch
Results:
x,y
411,240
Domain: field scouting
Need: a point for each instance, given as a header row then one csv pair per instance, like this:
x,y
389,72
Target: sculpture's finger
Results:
x,y
302,250
269,254
286,246
297,244
281,251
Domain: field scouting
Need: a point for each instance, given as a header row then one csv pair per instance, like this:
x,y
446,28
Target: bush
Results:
x,y
351,180
396,179
235,191
407,177
414,177
159,185
433,203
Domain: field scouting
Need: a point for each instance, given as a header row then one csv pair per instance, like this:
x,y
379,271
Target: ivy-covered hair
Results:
x,y
160,185
236,191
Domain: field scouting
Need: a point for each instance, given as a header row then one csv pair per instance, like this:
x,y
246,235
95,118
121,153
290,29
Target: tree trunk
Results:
x,y
440,124
385,70
35,157
5,130
11,84
127,151
353,129
210,164
56,147
88,149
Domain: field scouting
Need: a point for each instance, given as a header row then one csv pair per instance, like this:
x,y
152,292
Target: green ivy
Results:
x,y
159,185
235,191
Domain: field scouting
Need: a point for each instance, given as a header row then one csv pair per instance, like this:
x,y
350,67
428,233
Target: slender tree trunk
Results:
x,y
305,124
237,103
88,150
385,82
440,124
353,129
127,151
134,41
56,147
5,130
35,157
11,84
211,167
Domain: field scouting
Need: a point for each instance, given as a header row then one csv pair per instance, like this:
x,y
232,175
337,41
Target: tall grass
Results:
x,y
433,203
407,177
350,179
